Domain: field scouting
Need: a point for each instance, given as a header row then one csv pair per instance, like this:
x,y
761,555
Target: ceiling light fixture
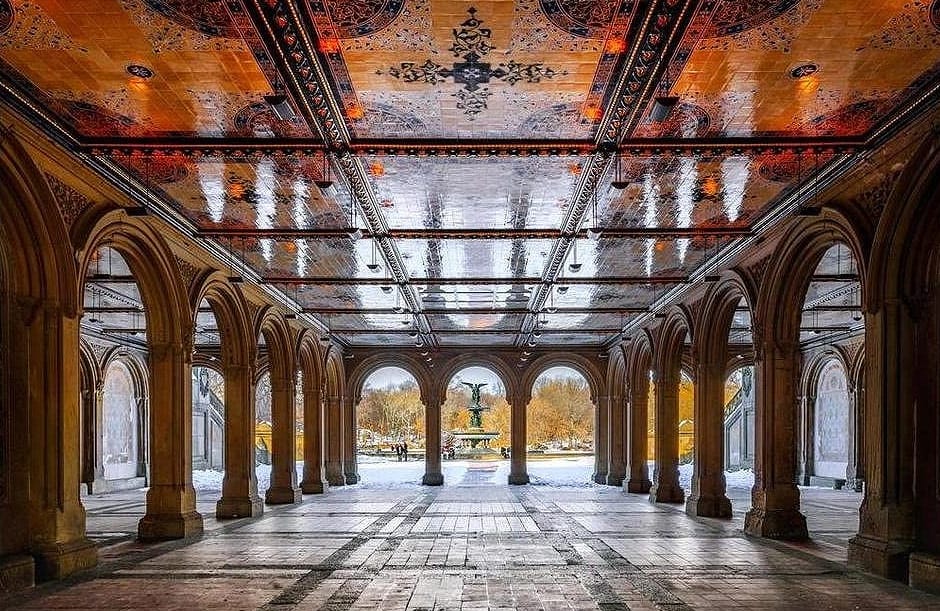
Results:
x,y
373,266
574,267
663,105
594,232
325,181
277,100
618,182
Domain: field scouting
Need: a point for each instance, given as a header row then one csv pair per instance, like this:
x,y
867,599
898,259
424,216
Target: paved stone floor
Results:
x,y
473,544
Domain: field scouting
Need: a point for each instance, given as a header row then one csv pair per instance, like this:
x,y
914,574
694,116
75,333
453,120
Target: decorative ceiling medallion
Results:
x,y
93,120
355,18
803,70
209,17
7,15
256,119
139,71
850,120
472,43
934,14
582,18
687,120
734,16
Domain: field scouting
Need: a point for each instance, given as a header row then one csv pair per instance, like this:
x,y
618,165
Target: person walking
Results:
x,y
404,450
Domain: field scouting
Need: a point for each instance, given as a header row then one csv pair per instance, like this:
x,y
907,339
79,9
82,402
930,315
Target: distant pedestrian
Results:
x,y
398,452
404,451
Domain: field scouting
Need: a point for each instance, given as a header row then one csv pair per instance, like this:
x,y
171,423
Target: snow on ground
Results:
x,y
378,472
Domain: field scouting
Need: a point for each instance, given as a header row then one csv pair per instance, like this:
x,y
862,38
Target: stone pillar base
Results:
x,y
169,526
925,572
58,560
885,559
334,474
313,487
615,480
433,479
351,478
600,478
518,479
284,495
669,493
637,486
718,506
776,524
16,573
239,508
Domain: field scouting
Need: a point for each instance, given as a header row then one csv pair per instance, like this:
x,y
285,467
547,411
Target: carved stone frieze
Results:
x,y
70,202
873,200
188,271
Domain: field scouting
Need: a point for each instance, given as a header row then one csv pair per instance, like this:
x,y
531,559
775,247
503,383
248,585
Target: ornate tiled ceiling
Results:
x,y
473,144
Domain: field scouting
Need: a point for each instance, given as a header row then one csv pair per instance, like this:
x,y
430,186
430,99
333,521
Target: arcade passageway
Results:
x,y
443,303
475,544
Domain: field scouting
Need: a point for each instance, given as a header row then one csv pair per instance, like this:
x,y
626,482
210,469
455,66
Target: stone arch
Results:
x,y
897,533
776,314
494,363
617,429
639,362
39,382
588,369
809,383
338,421
169,343
90,378
137,371
366,367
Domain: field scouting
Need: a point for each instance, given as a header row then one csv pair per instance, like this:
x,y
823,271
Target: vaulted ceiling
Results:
x,y
498,159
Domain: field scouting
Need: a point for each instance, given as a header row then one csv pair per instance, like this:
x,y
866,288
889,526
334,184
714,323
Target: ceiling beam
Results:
x,y
406,331
476,310
475,281
290,233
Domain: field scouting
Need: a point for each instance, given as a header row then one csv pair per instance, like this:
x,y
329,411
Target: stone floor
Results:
x,y
474,544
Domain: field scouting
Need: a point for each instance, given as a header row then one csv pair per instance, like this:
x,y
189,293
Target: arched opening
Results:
x,y
208,392
831,326
738,431
686,430
560,429
264,431
113,330
476,427
390,428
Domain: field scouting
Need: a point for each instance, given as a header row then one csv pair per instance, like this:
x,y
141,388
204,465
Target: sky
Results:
x,y
388,377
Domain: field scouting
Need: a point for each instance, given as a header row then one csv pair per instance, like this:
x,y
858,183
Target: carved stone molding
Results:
x,y
188,271
70,202
874,200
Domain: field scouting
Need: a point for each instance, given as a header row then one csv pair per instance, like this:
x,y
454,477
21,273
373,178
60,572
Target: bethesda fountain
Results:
x,y
475,442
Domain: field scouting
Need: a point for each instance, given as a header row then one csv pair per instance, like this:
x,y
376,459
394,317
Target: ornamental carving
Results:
x,y
208,17
188,271
6,20
471,43
874,200
70,202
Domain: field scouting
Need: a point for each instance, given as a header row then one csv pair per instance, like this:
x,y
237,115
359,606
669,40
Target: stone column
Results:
x,y
638,480
601,433
45,398
171,499
314,480
775,499
97,484
350,443
665,488
517,462
334,442
853,478
804,468
708,498
433,476
886,517
616,448
284,488
240,484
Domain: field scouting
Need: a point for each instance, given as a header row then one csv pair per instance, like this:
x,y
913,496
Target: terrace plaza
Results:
x,y
222,222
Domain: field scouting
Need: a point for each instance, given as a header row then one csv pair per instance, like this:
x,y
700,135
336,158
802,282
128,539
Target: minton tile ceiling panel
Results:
x,y
451,296
132,68
489,69
474,321
462,193
791,67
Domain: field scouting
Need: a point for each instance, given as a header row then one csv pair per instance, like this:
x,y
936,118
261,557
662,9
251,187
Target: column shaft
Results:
x,y
284,488
708,496
665,488
240,484
334,442
314,480
433,476
638,436
517,462
601,439
775,499
171,499
350,444
616,449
